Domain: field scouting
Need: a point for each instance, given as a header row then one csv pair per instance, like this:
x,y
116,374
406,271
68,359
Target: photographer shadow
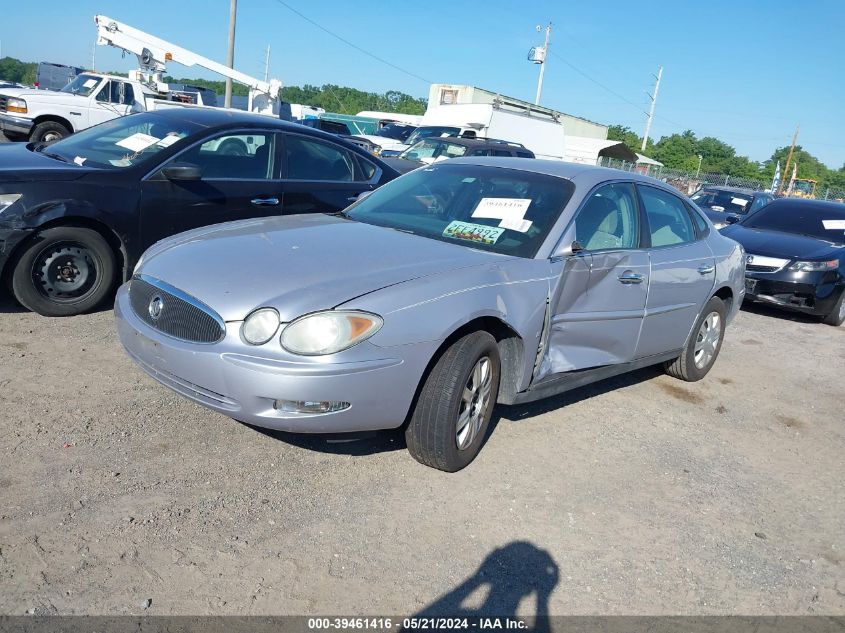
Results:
x,y
509,575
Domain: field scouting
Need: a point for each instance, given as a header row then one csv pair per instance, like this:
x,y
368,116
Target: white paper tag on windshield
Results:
x,y
168,140
740,201
832,225
138,142
515,225
502,208
90,83
79,160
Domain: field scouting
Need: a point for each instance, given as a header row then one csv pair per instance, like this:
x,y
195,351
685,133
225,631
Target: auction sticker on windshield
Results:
x,y
473,232
138,142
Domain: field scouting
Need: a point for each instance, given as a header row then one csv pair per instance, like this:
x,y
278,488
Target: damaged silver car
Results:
x,y
452,288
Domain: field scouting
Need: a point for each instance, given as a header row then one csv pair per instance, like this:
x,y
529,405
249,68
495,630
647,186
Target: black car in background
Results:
x,y
720,202
76,215
795,256
332,127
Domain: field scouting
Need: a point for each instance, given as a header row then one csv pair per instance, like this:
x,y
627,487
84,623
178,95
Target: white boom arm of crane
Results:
x,y
153,54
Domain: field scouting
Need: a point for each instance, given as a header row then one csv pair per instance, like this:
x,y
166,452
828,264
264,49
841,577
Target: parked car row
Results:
x,y
288,279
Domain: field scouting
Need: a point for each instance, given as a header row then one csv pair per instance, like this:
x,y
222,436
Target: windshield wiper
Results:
x,y
55,156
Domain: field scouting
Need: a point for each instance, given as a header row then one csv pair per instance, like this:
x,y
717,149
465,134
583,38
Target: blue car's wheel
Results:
x,y
452,415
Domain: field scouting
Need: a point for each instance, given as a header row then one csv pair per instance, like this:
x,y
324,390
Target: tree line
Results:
x,y
676,151
681,151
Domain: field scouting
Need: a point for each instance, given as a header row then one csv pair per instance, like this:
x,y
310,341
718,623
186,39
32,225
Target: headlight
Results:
x,y
260,326
808,267
7,200
16,105
329,332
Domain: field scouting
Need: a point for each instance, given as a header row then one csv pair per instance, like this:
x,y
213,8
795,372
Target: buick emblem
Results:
x,y
155,308
749,259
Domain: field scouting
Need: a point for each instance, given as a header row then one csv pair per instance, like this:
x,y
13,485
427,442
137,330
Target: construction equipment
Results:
x,y
804,188
153,54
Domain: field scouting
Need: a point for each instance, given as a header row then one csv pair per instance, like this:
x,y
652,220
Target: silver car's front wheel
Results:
x,y
452,413
704,343
708,338
474,402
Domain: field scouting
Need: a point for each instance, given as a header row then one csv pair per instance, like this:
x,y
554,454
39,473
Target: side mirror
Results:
x,y
732,219
568,244
363,195
182,171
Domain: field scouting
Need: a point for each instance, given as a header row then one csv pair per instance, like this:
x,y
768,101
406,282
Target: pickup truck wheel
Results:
x,y
451,417
64,270
837,315
48,131
703,345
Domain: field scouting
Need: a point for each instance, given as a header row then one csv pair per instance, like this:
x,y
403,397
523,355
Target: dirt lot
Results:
x,y
640,495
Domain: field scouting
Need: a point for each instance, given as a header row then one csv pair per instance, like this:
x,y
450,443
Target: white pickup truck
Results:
x,y
91,98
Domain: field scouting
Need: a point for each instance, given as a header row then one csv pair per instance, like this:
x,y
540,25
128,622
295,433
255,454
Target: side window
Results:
x,y
128,94
105,93
609,219
366,169
241,156
480,152
759,201
501,152
524,154
668,220
312,159
700,222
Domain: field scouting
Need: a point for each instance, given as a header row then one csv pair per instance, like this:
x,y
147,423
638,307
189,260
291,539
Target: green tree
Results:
x,y
629,137
15,70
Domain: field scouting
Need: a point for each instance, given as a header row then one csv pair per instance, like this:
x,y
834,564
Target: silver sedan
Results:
x,y
452,288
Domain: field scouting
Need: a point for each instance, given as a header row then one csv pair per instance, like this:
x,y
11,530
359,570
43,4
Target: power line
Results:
x,y
355,46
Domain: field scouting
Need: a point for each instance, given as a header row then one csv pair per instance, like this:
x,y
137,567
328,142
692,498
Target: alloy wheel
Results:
x,y
707,340
474,401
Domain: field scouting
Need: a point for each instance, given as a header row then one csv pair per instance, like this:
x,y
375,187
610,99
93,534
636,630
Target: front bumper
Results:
x,y
231,378
15,124
810,293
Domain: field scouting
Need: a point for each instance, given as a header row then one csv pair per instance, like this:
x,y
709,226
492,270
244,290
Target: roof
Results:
x,y
829,205
477,141
587,149
745,190
645,160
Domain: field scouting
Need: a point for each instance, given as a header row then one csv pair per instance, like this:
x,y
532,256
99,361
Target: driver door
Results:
x,y
113,99
598,304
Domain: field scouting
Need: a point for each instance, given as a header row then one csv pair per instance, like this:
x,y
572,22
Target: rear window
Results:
x,y
826,222
725,201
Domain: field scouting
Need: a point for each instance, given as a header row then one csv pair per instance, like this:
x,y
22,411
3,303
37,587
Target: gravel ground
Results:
x,y
639,495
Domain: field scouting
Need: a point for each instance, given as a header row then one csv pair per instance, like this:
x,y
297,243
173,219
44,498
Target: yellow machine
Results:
x,y
804,188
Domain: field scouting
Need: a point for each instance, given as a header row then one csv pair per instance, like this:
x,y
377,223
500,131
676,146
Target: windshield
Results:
x,y
488,208
432,149
396,131
120,143
826,222
82,85
431,130
726,201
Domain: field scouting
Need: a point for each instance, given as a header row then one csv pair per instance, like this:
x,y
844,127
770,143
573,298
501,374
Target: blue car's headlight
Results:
x,y
329,332
7,200
260,326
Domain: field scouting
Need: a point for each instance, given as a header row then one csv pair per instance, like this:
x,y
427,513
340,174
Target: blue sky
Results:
x,y
746,72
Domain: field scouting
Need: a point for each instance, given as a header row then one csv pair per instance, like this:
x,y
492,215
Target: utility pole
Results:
x,y
94,56
543,57
267,65
651,110
789,158
230,58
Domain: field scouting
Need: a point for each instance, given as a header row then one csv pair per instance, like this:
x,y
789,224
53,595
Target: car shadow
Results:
x,y
518,573
8,305
771,311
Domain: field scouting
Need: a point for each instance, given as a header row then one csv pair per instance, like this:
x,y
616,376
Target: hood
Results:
x,y
777,244
18,163
383,141
297,264
402,165
54,97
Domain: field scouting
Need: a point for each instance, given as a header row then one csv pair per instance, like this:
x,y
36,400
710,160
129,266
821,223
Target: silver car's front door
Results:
x,y
683,272
597,308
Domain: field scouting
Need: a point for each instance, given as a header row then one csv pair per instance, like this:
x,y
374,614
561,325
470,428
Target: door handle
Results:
x,y
704,269
629,277
265,202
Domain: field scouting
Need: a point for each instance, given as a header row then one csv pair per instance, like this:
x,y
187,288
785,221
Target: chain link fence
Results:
x,y
689,183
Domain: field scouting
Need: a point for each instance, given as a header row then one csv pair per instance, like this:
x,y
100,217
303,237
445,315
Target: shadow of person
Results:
x,y
509,575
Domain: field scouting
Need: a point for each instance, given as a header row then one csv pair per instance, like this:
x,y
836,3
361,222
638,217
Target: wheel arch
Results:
x,y
44,118
726,294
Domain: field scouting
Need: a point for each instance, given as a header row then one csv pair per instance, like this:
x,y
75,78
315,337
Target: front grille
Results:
x,y
3,100
180,316
755,268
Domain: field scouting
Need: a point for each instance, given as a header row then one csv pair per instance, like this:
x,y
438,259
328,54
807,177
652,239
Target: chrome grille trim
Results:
x,y
183,317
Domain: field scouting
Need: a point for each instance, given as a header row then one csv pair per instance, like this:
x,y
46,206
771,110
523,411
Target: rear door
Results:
x,y
683,271
320,176
598,305
239,180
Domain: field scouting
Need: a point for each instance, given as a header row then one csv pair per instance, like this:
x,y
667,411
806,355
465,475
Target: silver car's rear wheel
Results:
x,y
709,336
702,348
452,413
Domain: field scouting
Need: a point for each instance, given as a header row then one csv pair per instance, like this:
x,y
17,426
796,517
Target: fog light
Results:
x,y
309,406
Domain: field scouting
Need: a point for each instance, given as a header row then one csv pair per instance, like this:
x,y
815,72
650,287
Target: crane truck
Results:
x,y
92,98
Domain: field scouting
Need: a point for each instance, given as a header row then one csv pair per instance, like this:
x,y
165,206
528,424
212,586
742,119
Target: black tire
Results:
x,y
684,367
432,434
64,270
48,131
837,315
